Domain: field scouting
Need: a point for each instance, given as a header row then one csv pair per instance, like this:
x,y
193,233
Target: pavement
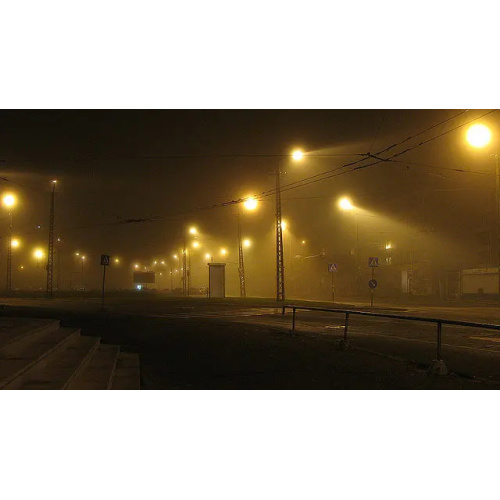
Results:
x,y
247,344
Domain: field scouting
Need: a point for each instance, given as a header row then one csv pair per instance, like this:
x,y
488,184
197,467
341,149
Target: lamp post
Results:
x,y
479,136
346,205
9,201
186,271
83,260
249,204
297,155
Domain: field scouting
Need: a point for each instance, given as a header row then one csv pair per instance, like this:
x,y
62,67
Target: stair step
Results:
x,y
14,329
98,374
127,372
22,355
64,364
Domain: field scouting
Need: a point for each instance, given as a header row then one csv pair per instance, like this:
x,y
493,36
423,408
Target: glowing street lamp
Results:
x,y
345,204
15,243
247,243
296,155
38,254
223,252
250,203
9,201
196,244
478,135
193,230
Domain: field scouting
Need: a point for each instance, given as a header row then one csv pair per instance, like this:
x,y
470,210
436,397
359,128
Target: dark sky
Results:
x,y
99,158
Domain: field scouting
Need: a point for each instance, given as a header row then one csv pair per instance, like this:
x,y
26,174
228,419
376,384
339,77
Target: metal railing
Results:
x,y
439,322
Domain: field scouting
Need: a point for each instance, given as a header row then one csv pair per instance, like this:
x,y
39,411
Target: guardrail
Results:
x,y
438,363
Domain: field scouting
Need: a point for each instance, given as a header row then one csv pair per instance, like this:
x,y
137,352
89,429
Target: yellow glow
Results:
x,y
345,204
176,256
83,257
9,200
38,253
247,243
21,267
223,251
388,246
15,243
136,266
283,225
303,242
195,244
162,262
54,181
297,155
207,256
155,262
478,135
117,261
192,230
250,203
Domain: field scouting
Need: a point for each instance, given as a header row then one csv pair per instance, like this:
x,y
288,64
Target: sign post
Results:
x,y
333,268
104,263
373,263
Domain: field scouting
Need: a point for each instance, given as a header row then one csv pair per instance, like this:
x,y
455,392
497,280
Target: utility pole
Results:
x,y
50,254
241,265
280,266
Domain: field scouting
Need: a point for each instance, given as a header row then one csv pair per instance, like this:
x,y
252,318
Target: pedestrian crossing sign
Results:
x,y
333,267
373,261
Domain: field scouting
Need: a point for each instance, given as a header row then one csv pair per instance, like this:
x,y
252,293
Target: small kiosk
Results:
x,y
217,280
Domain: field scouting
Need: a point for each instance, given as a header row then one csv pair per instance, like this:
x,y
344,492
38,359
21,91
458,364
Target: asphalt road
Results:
x,y
200,343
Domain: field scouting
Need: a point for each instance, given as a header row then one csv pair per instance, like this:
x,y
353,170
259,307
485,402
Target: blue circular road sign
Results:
x,y
372,283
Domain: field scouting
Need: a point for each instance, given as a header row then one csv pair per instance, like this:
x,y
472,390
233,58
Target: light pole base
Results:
x,y
437,367
342,345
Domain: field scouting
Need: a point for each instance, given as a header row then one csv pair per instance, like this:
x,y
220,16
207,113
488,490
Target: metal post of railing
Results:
x,y
293,319
346,325
438,366
283,310
438,346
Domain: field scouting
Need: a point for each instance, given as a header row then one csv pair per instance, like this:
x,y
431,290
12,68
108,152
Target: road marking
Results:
x,y
489,339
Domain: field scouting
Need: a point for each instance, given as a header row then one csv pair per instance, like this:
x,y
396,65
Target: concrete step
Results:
x,y
14,329
60,368
98,374
127,372
27,351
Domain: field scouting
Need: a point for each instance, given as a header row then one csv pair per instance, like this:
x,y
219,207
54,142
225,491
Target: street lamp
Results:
x,y
83,260
250,204
346,205
9,201
186,268
479,136
297,155
38,254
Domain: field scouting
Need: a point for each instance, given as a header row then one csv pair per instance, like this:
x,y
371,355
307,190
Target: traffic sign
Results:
x,y
372,284
373,261
104,260
333,267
